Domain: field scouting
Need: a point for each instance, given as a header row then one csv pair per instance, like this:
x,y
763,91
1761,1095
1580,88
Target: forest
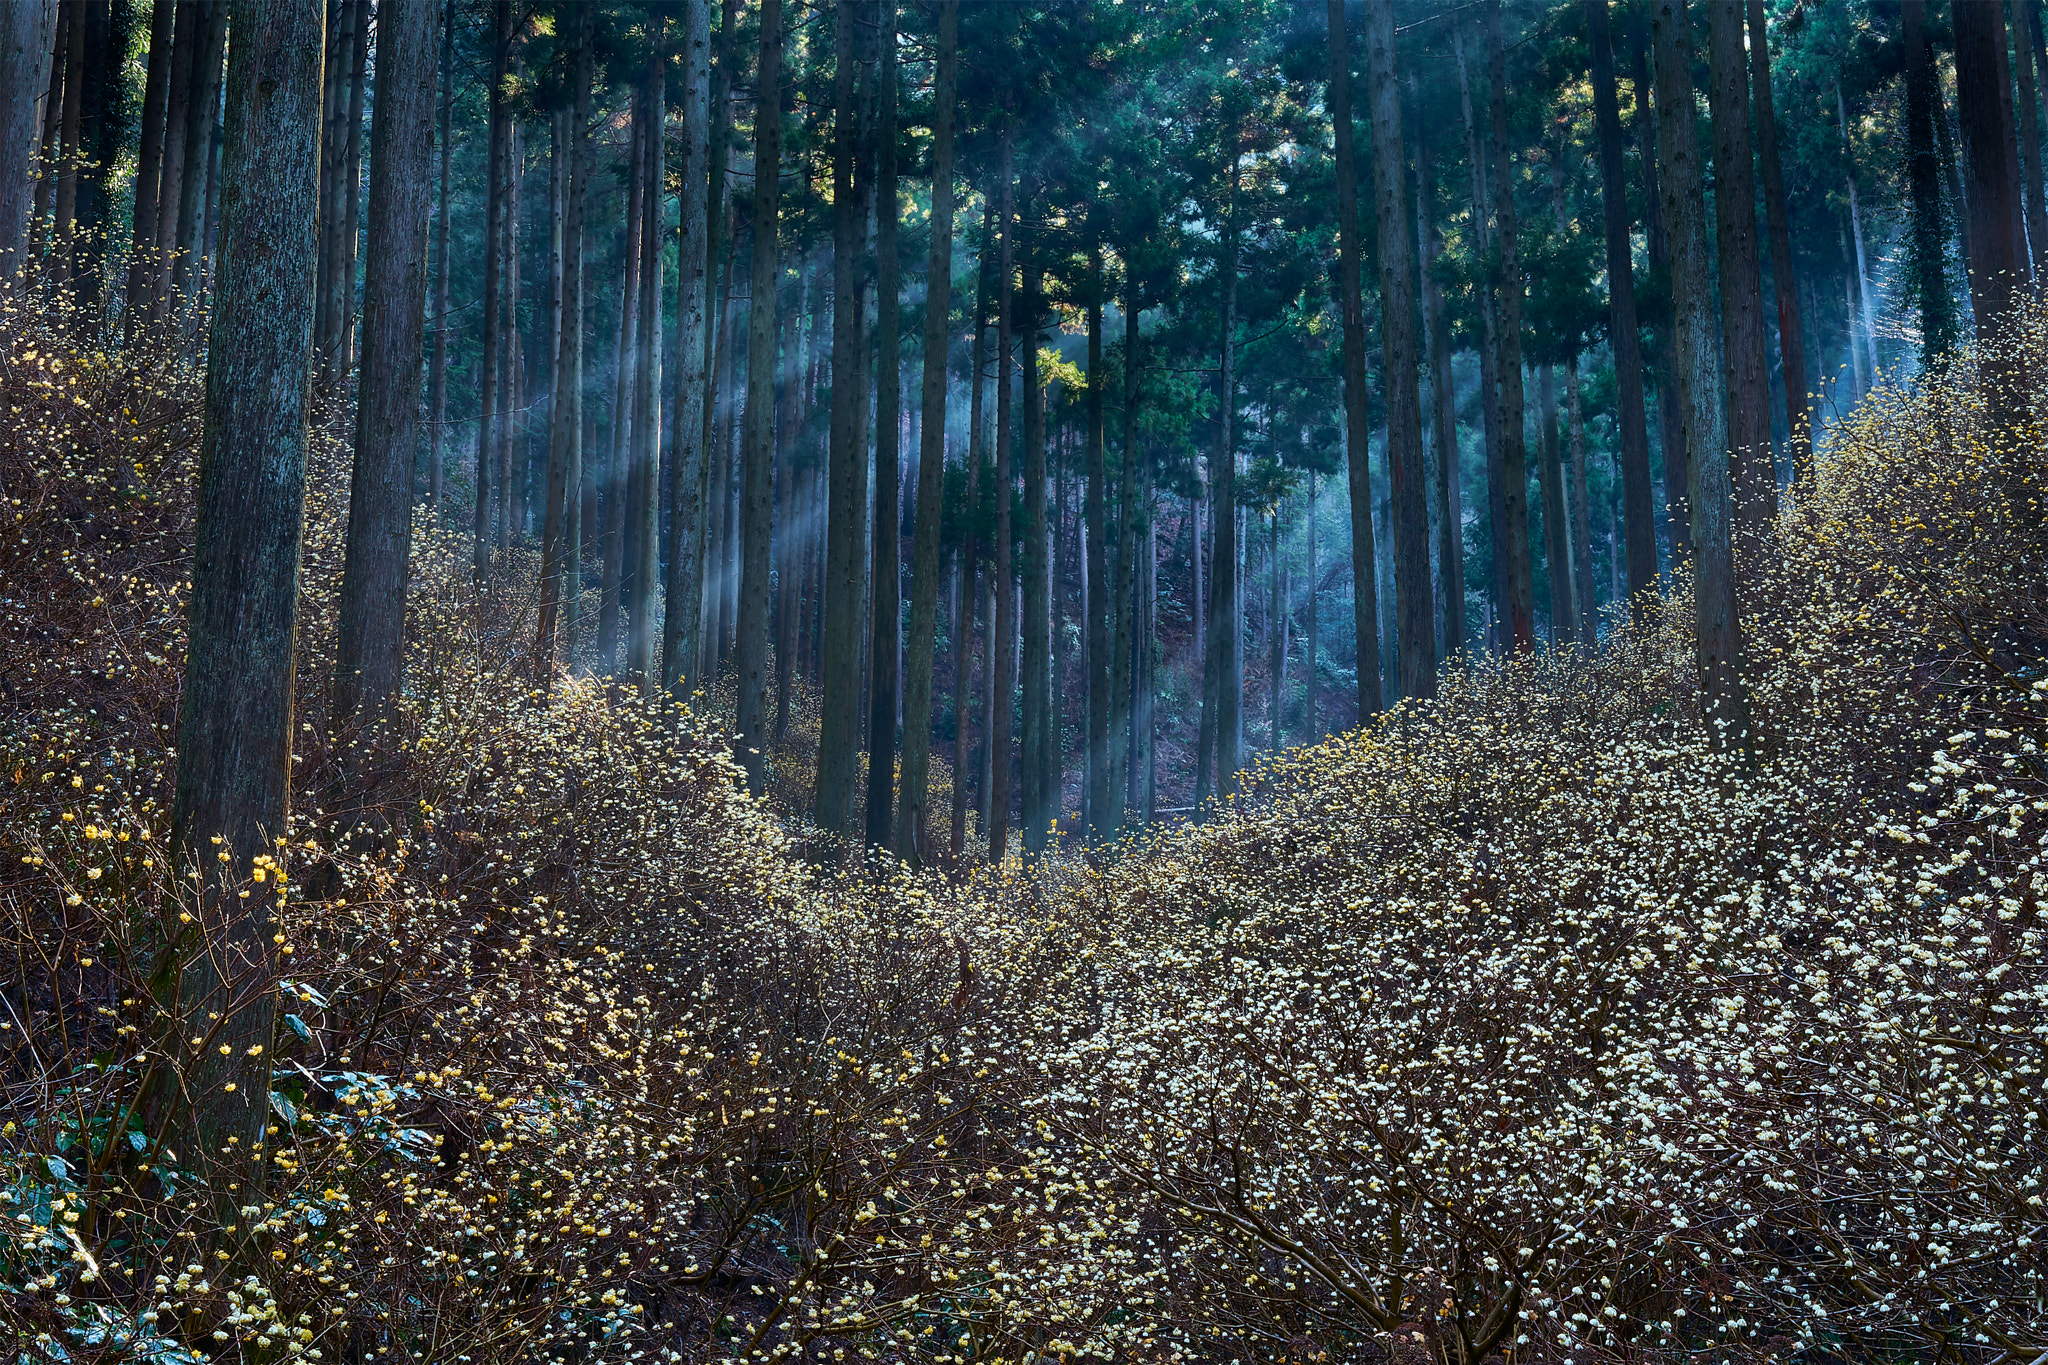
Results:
x,y
1352,681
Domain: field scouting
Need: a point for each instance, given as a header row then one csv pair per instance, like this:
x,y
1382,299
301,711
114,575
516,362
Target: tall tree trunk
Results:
x,y
208,55
963,656
720,246
1122,570
1929,259
1039,803
839,721
1997,266
1868,316
1311,731
1581,511
618,480
334,178
1357,428
752,628
1670,395
437,380
886,573
1479,164
1004,673
235,712
1717,630
1225,619
2029,116
1521,613
689,489
1791,337
1638,516
1415,624
1095,513
99,143
149,159
646,499
1443,425
64,224
1276,644
370,648
1564,624
1745,361
25,54
510,482
559,540
486,425
911,818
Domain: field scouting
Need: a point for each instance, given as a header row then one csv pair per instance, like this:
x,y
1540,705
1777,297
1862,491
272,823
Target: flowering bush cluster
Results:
x,y
1522,1025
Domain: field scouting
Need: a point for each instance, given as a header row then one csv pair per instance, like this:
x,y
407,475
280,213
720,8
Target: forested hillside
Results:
x,y
1147,681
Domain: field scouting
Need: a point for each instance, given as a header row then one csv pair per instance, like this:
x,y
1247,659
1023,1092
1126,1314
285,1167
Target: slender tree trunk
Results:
x,y
1357,428
235,712
2029,116
1867,316
99,132
1122,570
720,247
618,482
1225,622
1276,646
1791,338
1938,323
1521,601
1311,731
486,426
1746,363
1997,265
65,204
1005,577
370,649
689,490
1415,625
646,499
1710,493
886,572
208,55
789,553
149,157
1638,518
1670,397
752,632
1095,512
437,381
963,657
839,722
559,540
25,60
1443,424
1581,510
509,482
1564,625
1039,802
333,182
1488,308
911,817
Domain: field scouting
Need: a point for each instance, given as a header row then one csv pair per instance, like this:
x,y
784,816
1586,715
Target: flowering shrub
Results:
x,y
1520,1025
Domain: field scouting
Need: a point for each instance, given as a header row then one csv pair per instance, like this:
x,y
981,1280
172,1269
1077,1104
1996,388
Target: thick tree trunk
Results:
x,y
1717,630
1998,271
689,491
885,575
752,629
560,548
1638,514
1357,428
437,381
1414,614
1791,336
370,648
846,494
1039,801
1746,364
911,818
646,498
1929,259
235,713
1521,602
24,75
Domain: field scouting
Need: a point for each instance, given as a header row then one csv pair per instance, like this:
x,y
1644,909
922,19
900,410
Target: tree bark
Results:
x,y
963,672
1122,569
560,547
846,494
1670,404
333,182
370,649
1791,337
235,713
149,159
25,55
1624,335
911,817
1095,514
208,54
1564,626
1717,631
618,479
1581,511
1414,613
1997,265
64,224
1038,802
1357,429
1521,603
1225,659
752,630
689,491
2029,118
486,425
1443,427
1004,618
1746,364
1488,309
1938,322
886,572
646,499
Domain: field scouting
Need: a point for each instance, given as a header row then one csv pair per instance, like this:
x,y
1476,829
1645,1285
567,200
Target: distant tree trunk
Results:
x,y
25,55
1868,316
1746,362
1095,513
720,247
886,572
752,632
1443,425
235,712
1581,511
1929,258
487,416
1557,553
689,491
646,498
560,548
1521,613
1004,674
1670,404
1122,570
437,383
2029,115
790,550
370,649
1717,629
1225,659
1488,308
1038,802
508,483
1415,626
149,158
99,143
198,132
64,224
1638,516
333,183
1311,732
1276,642
911,817
963,659
1791,337
619,458
1945,141
846,493
1997,266
1357,428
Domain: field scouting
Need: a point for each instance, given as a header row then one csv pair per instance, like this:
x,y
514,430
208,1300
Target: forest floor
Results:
x,y
1524,1023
